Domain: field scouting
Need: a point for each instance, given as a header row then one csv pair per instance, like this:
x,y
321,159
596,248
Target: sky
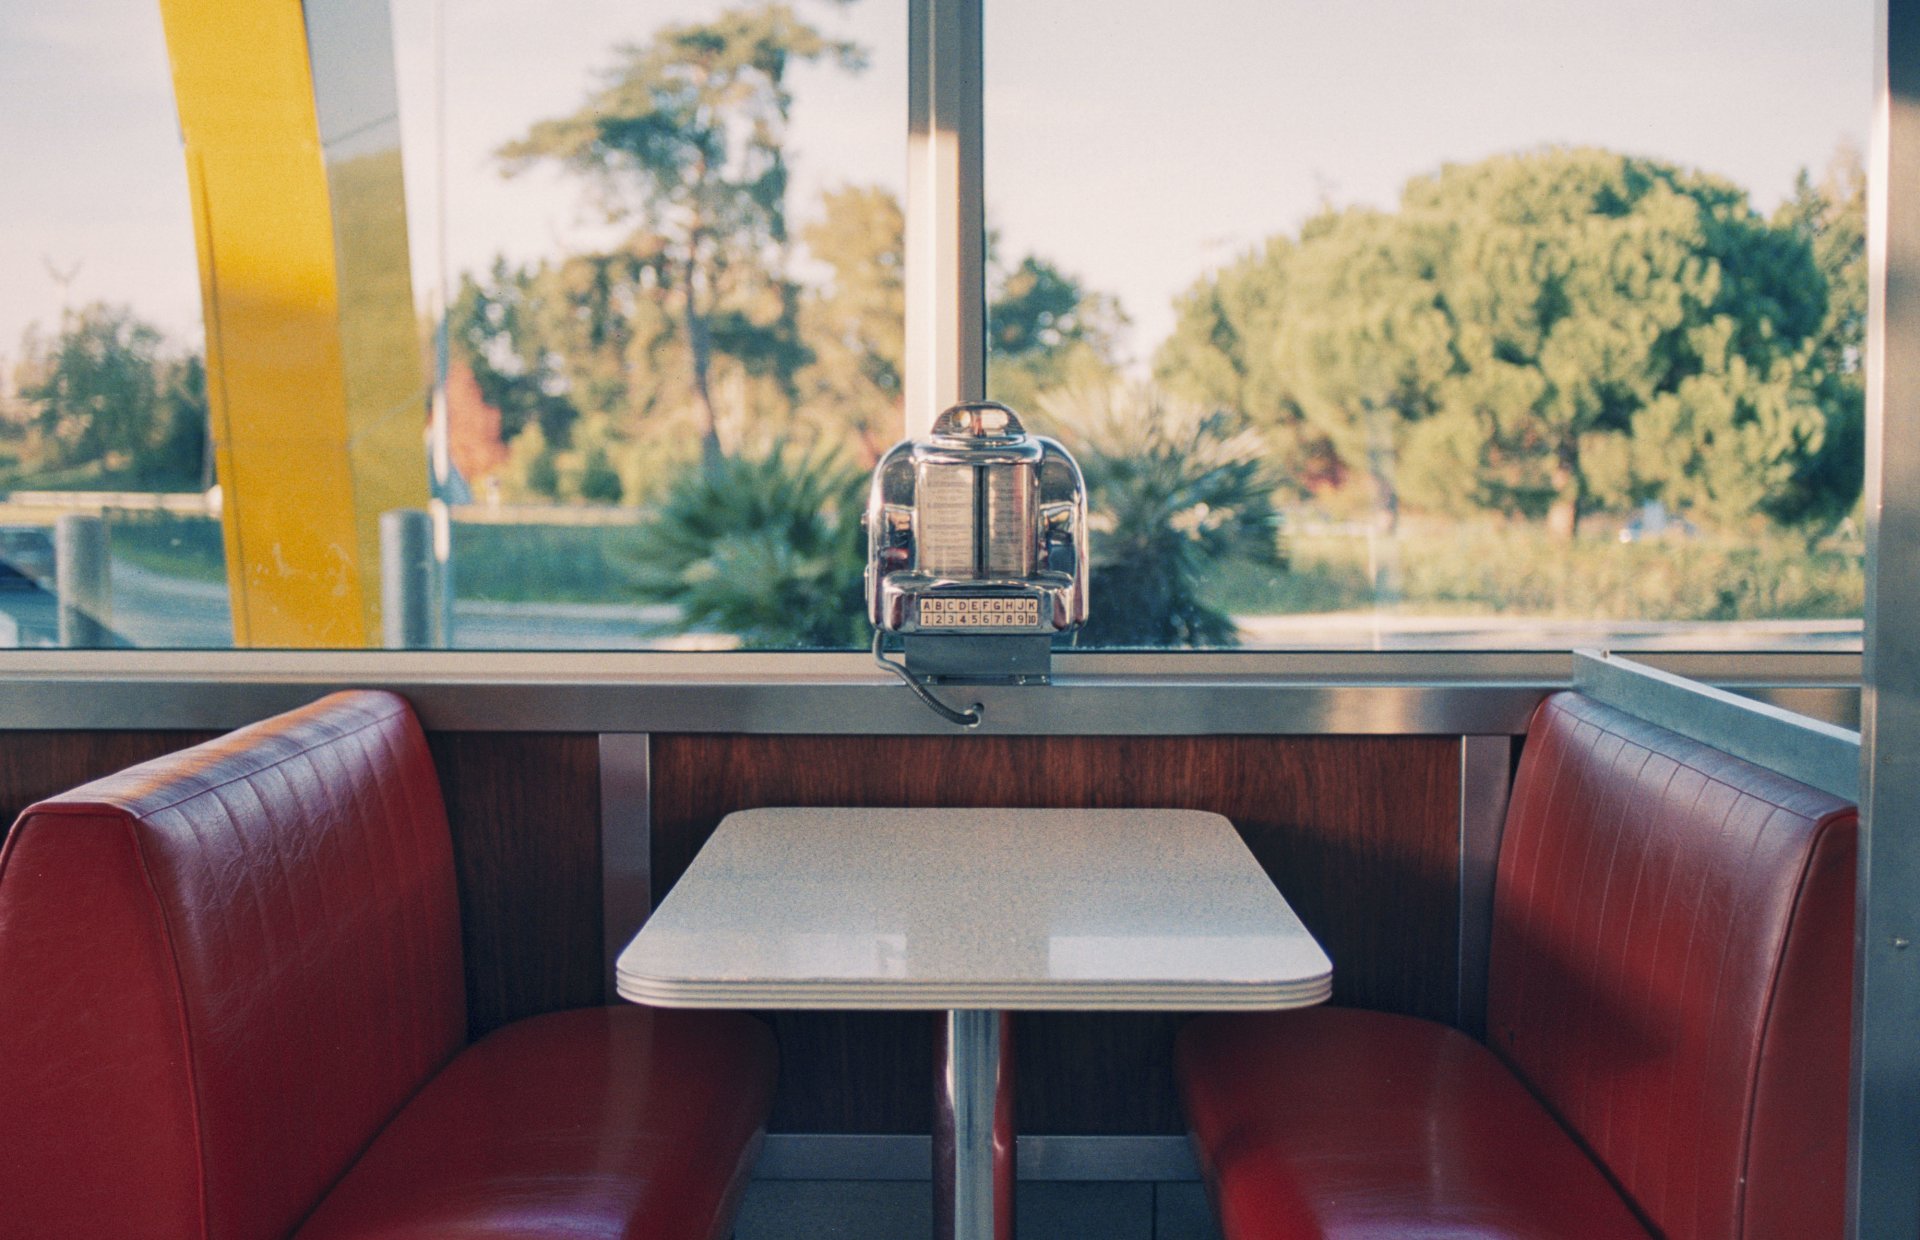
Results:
x,y
1135,143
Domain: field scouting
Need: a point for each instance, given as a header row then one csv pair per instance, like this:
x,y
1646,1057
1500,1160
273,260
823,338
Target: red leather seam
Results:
x,y
72,809
1688,764
1820,831
180,1006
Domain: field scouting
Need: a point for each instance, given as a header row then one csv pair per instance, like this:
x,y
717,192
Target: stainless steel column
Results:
x,y
973,1133
1884,1171
946,284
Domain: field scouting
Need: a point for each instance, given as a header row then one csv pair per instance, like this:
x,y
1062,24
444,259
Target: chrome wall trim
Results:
x,y
1434,694
1816,753
1883,1191
1730,669
1486,779
626,841
888,1156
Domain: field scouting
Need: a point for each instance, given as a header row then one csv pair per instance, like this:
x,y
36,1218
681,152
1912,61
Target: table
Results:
x,y
976,913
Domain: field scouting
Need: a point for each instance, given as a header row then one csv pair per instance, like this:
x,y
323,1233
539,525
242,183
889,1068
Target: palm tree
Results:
x,y
1172,488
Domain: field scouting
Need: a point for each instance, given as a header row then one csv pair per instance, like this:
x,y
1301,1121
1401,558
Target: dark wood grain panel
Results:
x,y
525,813
37,765
1361,833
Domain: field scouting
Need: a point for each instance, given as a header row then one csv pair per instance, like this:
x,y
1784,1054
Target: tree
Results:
x,y
1538,335
94,389
855,326
1831,215
179,456
494,328
686,139
1046,331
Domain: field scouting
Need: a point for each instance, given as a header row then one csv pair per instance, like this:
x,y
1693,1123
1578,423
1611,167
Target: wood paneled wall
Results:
x,y
37,765
1361,833
525,814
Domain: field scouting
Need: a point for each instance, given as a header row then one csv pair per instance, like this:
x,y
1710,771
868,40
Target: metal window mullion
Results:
x,y
945,274
1884,1152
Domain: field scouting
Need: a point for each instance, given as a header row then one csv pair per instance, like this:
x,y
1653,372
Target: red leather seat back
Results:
x,y
1672,971
220,973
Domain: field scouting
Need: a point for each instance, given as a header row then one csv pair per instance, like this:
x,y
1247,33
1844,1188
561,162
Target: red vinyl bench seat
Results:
x,y
232,1007
1669,1006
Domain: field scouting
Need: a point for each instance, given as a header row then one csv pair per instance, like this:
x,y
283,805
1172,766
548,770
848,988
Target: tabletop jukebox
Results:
x,y
977,548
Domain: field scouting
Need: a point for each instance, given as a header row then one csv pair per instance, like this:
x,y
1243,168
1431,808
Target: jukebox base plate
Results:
x,y
967,658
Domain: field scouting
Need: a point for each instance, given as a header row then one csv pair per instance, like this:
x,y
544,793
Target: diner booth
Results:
x,y
986,928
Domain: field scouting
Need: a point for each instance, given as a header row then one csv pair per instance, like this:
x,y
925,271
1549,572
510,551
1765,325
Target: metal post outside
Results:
x,y
406,579
83,580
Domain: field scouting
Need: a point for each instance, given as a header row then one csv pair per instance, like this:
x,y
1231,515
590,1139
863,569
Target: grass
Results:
x,y
1520,570
545,563
1466,570
170,544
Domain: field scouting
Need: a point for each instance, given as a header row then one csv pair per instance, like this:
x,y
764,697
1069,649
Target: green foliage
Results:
x,y
1520,569
1172,487
855,326
170,544
766,544
1831,216
505,563
1046,331
1546,335
180,454
498,328
104,403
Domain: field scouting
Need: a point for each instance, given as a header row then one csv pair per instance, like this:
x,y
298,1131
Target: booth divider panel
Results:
x,y
525,812
1360,833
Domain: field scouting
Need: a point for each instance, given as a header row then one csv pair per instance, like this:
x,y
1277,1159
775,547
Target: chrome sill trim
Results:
x,y
1297,693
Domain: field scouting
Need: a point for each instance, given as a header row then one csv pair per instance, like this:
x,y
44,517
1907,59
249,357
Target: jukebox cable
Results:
x,y
969,718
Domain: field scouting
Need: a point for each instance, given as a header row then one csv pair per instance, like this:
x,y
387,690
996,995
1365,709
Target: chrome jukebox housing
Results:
x,y
978,530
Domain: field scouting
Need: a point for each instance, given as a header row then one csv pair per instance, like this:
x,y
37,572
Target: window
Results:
x,y
1484,324
1377,325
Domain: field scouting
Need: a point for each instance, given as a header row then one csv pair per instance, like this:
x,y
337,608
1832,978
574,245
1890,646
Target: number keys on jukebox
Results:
x,y
978,613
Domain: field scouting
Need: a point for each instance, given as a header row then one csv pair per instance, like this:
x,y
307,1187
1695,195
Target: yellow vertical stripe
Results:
x,y
313,361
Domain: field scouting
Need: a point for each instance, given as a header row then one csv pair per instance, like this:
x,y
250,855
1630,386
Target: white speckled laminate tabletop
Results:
x,y
975,908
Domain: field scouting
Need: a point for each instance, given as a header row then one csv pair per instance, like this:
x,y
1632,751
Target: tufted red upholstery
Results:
x,y
223,971
603,1122
1671,978
1671,971
1342,1123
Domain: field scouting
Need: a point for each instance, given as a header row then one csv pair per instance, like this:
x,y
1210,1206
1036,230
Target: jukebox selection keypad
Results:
x,y
979,613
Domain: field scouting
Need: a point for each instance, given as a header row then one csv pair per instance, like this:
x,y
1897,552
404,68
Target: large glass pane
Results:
x,y
102,384
1479,323
655,270
670,240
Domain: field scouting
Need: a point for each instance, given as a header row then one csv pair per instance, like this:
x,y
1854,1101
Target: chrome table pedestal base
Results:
x,y
973,1133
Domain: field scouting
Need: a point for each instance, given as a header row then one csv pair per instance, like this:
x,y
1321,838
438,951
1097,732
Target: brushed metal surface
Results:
x,y
1809,750
1883,1191
1486,779
1095,694
626,840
